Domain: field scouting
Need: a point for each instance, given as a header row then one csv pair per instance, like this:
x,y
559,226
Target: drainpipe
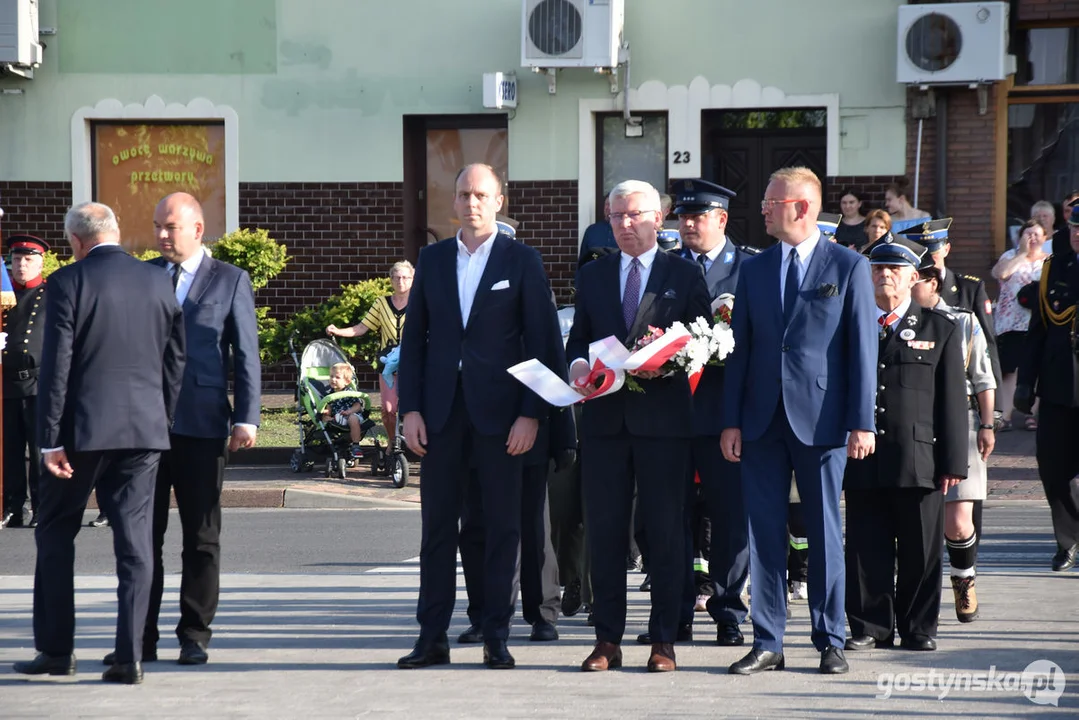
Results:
x,y
940,190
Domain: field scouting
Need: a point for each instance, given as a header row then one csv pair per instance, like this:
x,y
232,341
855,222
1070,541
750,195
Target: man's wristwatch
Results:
x,y
983,426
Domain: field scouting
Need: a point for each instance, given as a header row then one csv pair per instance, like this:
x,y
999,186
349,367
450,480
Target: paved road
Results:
x,y
318,638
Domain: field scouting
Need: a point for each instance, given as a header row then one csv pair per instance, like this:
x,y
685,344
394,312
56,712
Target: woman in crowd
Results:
x,y
851,230
877,224
1016,269
387,318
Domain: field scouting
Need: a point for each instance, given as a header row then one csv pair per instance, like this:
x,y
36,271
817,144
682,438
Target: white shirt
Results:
x,y
187,275
710,256
470,266
805,249
900,312
646,259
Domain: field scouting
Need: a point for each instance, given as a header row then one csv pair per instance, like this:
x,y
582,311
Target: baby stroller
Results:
x,y
319,437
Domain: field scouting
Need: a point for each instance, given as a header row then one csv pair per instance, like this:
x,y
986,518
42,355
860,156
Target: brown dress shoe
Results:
x,y
605,656
662,659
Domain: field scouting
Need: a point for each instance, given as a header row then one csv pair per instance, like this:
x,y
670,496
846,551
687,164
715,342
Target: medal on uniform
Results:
x,y
906,334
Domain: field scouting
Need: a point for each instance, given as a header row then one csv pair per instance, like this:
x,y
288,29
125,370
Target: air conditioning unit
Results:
x,y
19,34
571,33
953,43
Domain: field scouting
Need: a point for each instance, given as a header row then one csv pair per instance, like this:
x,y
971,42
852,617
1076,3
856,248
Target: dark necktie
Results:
x,y
632,297
702,259
790,285
176,270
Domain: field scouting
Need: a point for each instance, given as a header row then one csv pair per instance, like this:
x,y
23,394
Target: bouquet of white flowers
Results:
x,y
711,340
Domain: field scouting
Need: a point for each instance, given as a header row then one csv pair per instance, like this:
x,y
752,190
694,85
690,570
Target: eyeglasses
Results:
x,y
767,204
634,216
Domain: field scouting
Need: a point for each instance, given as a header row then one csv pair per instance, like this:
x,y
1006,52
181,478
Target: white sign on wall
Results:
x,y
499,90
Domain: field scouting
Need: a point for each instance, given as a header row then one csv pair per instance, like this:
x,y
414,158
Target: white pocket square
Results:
x,y
501,285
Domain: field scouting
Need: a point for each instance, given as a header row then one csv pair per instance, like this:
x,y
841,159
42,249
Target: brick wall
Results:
x,y
870,189
547,212
1038,11
971,176
35,208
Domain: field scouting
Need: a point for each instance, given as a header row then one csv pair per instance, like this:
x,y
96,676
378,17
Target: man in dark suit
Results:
x,y
219,314
111,366
629,437
22,357
480,304
798,397
1050,372
895,497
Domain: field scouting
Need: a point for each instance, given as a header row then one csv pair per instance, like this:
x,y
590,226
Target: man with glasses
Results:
x,y
637,438
798,398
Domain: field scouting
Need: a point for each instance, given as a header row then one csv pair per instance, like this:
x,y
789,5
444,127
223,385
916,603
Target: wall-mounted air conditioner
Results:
x,y
953,43
571,33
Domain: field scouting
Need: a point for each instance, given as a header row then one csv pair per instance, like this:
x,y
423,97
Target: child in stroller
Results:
x,y
345,411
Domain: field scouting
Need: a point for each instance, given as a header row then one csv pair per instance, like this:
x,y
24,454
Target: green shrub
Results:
x,y
51,262
343,310
254,251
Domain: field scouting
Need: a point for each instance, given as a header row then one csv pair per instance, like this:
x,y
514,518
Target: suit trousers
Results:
x,y
536,574
728,561
453,454
194,470
886,526
610,464
1058,466
767,463
20,428
567,529
125,489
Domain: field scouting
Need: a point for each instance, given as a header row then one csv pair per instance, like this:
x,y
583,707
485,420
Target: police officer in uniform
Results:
x,y
701,208
22,354
1050,370
895,497
962,292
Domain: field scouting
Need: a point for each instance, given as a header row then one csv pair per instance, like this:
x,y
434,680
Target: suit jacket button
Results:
x,y
880,432
881,409
880,388
883,366
786,348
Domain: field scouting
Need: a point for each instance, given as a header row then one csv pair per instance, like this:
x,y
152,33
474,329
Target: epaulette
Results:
x,y
972,278
749,249
946,313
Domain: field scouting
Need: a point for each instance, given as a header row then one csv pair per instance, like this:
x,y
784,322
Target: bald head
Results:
x,y
178,226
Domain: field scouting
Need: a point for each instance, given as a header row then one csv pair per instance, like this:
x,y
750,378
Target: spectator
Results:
x,y
851,231
386,317
877,224
1045,215
899,206
1016,269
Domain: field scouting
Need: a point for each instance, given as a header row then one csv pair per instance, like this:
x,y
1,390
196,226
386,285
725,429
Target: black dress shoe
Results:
x,y
571,599
426,653
149,654
590,621
11,520
497,656
685,634
728,634
833,662
1063,560
923,643
474,634
192,652
543,631
33,521
757,660
646,586
99,521
866,642
44,664
126,673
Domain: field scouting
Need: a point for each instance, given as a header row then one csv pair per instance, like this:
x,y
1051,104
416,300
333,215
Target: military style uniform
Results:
x,y
25,328
967,292
1051,370
894,506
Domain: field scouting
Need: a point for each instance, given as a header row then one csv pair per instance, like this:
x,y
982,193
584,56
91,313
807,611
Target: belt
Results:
x,y
22,374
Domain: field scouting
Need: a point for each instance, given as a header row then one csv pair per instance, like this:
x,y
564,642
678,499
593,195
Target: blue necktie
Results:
x,y
790,286
632,297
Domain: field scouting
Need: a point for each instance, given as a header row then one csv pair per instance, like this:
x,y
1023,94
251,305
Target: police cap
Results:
x,y
933,234
695,197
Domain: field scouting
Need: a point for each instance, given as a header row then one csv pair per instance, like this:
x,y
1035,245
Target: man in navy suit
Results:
x,y
219,314
799,397
701,209
629,437
480,304
111,367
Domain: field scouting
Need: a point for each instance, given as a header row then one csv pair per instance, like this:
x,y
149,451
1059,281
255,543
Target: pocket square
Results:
x,y
670,295
501,285
827,290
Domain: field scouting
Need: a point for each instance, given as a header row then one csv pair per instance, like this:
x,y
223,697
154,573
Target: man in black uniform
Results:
x,y
895,497
22,356
1050,370
962,292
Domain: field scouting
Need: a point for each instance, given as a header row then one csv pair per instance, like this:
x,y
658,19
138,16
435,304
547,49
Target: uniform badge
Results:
x,y
906,334
912,320
921,344
728,257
